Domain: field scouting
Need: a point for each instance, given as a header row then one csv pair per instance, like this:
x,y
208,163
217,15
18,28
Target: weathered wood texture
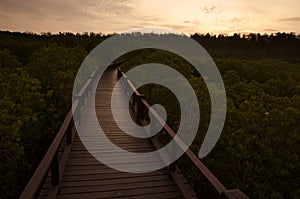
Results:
x,y
86,177
68,170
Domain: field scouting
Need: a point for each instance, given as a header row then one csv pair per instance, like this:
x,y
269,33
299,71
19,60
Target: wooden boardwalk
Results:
x,y
68,170
86,177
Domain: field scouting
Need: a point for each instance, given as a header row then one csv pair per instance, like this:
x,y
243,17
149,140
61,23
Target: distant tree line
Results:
x,y
277,45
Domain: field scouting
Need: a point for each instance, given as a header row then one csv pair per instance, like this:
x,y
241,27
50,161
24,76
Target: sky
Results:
x,y
115,16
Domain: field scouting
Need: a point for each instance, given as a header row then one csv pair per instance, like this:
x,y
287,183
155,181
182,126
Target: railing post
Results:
x,y
69,132
119,74
153,127
139,109
172,166
126,86
139,115
131,103
77,111
55,170
83,97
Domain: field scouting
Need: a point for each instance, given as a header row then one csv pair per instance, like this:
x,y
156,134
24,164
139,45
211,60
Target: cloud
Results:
x,y
231,21
231,24
42,10
146,18
238,20
117,15
193,22
17,7
291,19
209,10
4,15
270,30
175,27
60,10
113,7
75,15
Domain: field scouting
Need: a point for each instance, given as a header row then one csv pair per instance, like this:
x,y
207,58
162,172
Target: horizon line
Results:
x,y
122,32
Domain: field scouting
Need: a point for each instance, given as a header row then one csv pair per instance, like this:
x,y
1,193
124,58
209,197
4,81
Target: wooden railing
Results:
x,y
55,159
141,109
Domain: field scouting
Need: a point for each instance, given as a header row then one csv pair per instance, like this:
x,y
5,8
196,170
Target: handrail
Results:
x,y
50,160
34,184
218,186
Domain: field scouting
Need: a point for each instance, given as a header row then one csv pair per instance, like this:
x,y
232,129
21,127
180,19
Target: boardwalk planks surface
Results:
x,y
85,177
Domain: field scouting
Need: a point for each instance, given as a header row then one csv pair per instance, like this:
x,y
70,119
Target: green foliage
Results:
x,y
258,151
20,103
260,140
56,67
35,90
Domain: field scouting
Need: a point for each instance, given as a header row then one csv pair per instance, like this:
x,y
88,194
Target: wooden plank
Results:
x,y
115,187
167,195
122,193
102,182
103,169
86,177
105,176
82,176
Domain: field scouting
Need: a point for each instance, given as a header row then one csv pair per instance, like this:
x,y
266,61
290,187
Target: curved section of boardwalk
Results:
x,y
85,177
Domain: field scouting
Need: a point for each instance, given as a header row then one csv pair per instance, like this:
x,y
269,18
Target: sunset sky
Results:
x,y
190,16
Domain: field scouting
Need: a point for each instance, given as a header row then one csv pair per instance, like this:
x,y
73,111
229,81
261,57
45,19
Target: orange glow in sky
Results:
x,y
108,16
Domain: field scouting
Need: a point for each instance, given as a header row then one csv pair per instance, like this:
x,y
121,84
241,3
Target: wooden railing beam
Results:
x,y
50,159
55,170
34,184
69,133
218,186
